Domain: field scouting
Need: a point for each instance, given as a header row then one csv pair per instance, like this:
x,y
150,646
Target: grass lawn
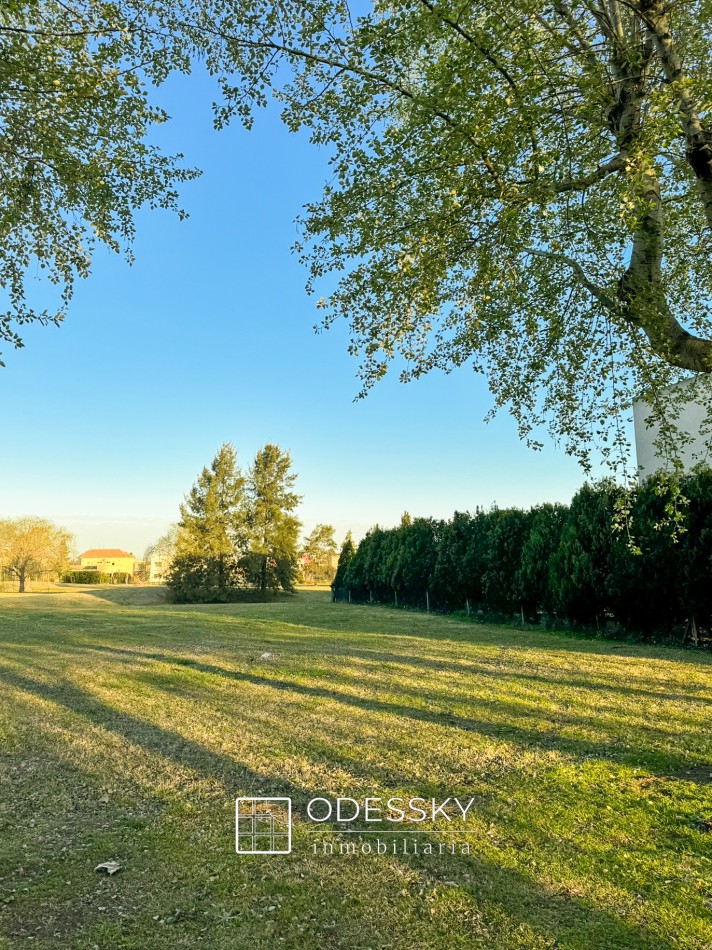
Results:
x,y
128,727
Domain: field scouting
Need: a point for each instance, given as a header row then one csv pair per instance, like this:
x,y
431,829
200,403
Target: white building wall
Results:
x,y
691,421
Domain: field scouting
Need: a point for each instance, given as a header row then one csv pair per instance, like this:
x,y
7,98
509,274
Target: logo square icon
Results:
x,y
263,825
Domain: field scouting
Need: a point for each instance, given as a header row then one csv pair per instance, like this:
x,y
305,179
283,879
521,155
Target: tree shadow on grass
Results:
x,y
478,668
532,738
558,917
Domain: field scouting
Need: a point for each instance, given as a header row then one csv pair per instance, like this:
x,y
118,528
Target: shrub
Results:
x,y
86,577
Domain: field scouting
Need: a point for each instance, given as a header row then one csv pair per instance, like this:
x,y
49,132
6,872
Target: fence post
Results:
x,y
427,600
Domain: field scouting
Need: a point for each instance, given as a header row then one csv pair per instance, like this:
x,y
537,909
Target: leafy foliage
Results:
x,y
75,163
236,530
273,527
31,546
527,190
317,556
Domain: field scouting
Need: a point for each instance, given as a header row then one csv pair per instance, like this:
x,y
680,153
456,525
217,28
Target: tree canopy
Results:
x,y
31,546
236,531
526,189
273,526
318,555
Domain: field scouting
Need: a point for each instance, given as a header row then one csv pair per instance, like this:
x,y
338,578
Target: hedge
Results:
x,y
86,577
614,559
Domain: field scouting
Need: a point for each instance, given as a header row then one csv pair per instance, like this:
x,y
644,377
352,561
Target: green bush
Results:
x,y
86,577
203,580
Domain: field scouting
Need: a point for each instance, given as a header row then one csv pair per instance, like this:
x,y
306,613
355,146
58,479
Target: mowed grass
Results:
x,y
128,727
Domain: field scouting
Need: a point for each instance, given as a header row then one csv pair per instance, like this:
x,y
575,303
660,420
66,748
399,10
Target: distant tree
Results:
x,y
695,554
318,555
30,546
165,546
346,555
273,528
645,573
363,571
212,532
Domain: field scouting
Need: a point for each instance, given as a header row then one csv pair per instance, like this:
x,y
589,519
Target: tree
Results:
x,y
165,546
534,579
346,555
274,529
212,532
30,546
364,569
75,163
318,555
585,559
418,555
507,530
524,188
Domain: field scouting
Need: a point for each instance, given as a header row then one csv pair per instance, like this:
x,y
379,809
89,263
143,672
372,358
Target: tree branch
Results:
x,y
698,138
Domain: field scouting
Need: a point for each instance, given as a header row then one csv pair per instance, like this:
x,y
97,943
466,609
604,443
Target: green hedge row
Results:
x,y
86,577
612,557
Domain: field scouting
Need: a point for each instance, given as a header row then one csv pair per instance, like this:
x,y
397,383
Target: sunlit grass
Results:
x,y
129,726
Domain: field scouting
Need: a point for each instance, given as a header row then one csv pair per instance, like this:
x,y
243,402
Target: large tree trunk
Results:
x,y
698,138
642,293
21,578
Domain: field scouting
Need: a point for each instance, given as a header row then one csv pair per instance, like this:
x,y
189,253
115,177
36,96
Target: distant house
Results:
x,y
107,561
158,567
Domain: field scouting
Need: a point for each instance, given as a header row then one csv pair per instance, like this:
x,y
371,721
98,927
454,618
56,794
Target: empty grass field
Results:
x,y
128,727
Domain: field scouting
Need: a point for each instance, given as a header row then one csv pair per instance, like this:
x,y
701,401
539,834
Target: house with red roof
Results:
x,y
107,561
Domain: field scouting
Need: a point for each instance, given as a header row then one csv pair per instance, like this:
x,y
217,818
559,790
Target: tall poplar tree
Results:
x,y
274,528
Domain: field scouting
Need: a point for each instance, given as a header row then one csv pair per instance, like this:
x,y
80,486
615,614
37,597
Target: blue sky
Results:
x,y
208,338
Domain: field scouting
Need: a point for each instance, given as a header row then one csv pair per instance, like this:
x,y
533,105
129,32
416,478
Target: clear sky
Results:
x,y
107,420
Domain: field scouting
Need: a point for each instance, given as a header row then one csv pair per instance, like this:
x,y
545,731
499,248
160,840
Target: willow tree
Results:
x,y
520,187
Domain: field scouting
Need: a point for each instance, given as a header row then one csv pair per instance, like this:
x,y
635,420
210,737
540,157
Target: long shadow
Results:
x,y
527,903
532,738
592,684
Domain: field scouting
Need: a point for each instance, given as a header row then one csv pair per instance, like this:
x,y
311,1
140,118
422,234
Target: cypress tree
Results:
x,y
346,555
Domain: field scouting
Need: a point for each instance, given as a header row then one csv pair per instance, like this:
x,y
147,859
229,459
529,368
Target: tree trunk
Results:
x,y
21,578
698,137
